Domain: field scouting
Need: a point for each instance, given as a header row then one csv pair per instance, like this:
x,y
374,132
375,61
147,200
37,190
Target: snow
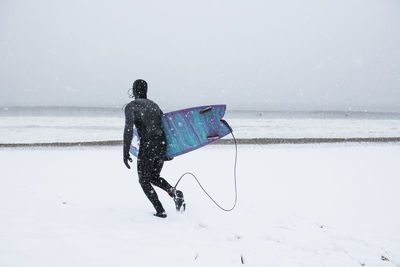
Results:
x,y
303,205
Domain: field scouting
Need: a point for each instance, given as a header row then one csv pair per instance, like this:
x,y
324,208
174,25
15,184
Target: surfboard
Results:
x,y
189,129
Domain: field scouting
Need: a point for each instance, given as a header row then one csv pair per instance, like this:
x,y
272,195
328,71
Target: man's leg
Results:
x,y
157,180
145,173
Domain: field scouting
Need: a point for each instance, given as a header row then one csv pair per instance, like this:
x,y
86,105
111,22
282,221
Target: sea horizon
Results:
x,y
111,111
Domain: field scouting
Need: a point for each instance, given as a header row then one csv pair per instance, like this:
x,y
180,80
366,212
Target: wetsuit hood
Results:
x,y
139,89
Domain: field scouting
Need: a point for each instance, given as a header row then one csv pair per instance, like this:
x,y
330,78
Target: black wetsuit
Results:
x,y
145,115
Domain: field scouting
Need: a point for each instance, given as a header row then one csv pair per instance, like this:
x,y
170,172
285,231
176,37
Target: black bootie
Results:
x,y
180,204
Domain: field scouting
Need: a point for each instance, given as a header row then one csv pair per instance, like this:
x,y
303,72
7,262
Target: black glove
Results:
x,y
168,158
126,158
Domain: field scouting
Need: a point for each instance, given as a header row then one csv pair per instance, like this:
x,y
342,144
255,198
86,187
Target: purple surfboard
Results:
x,y
189,129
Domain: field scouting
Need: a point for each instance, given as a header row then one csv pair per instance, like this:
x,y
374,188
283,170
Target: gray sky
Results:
x,y
285,54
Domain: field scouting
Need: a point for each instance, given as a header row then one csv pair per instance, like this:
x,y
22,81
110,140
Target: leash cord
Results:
x,y
205,191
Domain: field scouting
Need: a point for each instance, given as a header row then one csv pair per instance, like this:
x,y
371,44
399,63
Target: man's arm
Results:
x,y
165,157
128,133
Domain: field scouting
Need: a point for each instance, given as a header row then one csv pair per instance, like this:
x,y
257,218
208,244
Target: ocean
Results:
x,y
76,124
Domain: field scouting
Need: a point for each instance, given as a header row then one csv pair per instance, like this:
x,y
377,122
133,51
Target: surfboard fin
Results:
x,y
216,136
207,109
213,137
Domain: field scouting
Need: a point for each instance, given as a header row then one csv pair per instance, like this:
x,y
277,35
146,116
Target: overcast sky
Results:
x,y
286,54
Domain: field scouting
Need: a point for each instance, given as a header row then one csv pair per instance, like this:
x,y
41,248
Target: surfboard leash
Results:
x,y
205,191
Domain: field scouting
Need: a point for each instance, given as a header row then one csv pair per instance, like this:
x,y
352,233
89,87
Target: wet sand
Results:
x,y
247,141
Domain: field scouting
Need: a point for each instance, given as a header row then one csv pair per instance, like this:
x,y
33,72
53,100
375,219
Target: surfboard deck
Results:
x,y
189,129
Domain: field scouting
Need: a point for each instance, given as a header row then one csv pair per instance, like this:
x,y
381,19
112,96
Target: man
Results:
x,y
145,115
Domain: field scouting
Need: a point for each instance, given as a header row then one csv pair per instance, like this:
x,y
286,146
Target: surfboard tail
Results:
x,y
227,125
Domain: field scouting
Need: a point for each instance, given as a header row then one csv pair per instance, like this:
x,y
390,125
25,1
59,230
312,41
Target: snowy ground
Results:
x,y
314,205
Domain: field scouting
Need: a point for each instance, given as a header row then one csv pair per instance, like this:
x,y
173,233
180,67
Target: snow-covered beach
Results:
x,y
311,90
299,205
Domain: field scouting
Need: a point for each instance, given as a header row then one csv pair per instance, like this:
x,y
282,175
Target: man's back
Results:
x,y
147,118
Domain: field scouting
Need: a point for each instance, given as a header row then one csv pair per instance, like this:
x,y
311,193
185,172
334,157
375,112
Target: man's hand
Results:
x,y
168,158
126,158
